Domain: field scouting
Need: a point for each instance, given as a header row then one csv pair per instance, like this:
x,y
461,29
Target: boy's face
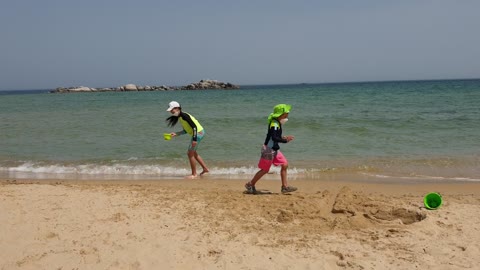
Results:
x,y
283,116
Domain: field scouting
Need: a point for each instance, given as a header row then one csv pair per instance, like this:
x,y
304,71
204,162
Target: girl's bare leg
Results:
x,y
193,164
202,163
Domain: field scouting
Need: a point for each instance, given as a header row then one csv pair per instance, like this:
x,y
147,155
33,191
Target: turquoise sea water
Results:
x,y
415,130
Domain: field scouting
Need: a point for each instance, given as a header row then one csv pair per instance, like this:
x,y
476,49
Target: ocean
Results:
x,y
410,130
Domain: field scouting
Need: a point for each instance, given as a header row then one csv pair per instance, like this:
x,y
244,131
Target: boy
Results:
x,y
271,150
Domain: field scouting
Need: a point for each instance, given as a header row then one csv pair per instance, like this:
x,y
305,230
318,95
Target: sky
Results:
x,y
48,44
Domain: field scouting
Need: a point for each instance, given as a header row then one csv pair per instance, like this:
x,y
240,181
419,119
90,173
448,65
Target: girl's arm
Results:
x,y
178,133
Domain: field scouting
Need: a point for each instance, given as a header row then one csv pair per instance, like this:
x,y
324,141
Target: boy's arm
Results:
x,y
276,135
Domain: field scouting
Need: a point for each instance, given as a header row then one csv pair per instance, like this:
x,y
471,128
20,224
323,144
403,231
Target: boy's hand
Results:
x,y
173,134
290,138
194,143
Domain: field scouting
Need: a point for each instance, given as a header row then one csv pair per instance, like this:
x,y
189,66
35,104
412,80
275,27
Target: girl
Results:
x,y
193,128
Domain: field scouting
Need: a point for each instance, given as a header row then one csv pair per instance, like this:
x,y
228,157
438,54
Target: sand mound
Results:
x,y
379,209
281,220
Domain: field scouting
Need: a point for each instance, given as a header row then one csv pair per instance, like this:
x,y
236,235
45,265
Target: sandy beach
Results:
x,y
211,224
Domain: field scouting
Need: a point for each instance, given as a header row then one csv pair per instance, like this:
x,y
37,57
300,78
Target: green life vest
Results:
x,y
187,127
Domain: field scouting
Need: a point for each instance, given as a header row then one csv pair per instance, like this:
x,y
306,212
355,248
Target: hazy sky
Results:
x,y
46,44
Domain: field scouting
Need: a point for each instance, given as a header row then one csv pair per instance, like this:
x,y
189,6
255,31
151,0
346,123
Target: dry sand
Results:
x,y
211,224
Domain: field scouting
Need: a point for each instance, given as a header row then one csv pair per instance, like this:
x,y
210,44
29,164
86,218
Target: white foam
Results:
x,y
423,177
126,169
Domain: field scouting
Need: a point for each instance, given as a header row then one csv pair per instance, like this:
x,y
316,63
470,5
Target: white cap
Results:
x,y
172,105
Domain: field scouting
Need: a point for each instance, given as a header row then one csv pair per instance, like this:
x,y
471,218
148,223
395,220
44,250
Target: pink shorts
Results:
x,y
279,159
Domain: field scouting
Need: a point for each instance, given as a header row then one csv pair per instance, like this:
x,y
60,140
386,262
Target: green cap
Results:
x,y
278,110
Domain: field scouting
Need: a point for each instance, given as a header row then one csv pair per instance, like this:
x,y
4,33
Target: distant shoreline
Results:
x,y
286,84
201,85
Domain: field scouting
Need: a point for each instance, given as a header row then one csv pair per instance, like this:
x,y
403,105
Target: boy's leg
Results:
x,y
285,187
281,160
264,166
283,175
257,176
250,186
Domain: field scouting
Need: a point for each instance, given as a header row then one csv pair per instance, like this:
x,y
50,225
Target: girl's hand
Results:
x,y
290,138
194,143
173,134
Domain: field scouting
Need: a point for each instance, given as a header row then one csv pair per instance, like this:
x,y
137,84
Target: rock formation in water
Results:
x,y
201,85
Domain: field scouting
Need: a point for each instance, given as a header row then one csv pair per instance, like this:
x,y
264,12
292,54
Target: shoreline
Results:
x,y
346,178
431,169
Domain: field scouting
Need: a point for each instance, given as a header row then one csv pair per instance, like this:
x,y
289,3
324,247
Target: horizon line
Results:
x,y
300,83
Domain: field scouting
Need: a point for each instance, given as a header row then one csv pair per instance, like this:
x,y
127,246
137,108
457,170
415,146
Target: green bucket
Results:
x,y
432,201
